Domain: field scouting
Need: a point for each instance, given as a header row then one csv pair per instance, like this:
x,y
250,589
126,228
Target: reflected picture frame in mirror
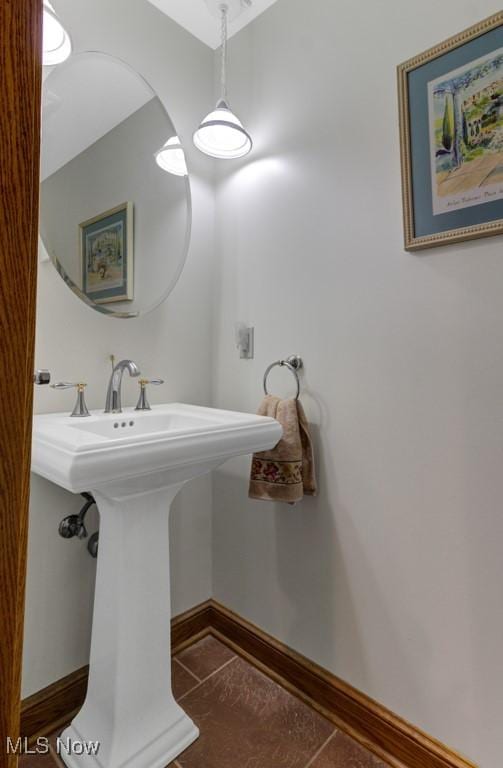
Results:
x,y
143,231
107,255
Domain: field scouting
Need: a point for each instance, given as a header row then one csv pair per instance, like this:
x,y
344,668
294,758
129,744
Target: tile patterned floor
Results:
x,y
246,720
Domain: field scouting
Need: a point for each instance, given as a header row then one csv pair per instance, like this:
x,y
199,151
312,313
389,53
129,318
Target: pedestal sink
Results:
x,y
135,463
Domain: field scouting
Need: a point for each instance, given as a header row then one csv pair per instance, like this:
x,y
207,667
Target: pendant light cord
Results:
x,y
223,76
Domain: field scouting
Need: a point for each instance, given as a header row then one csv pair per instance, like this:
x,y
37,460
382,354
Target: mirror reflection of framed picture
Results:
x,y
451,130
106,250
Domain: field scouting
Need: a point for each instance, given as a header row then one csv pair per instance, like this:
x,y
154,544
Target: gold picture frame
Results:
x,y
106,253
450,58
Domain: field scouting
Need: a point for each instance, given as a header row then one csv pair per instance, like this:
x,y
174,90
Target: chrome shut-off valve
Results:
x,y
74,525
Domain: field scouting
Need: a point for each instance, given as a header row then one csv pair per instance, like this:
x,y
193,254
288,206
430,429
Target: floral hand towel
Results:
x,y
286,473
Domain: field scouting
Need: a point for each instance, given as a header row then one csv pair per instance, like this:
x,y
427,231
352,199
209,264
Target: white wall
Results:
x,y
392,577
172,342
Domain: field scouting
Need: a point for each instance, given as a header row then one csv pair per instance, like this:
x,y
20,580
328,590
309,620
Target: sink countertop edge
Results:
x,y
75,469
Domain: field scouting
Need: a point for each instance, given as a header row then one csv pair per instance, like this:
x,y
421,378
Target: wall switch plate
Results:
x,y
245,341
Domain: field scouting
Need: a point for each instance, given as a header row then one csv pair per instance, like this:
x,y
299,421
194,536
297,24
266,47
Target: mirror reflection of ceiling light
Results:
x,y
221,134
57,45
171,157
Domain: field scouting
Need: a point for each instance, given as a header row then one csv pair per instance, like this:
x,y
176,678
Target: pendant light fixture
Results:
x,y
171,157
57,45
221,134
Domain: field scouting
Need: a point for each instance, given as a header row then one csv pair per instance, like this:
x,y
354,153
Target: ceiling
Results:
x,y
108,92
196,17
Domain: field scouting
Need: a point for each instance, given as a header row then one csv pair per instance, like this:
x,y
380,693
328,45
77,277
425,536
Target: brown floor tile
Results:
x,y
343,752
181,679
247,719
205,657
57,760
53,738
37,761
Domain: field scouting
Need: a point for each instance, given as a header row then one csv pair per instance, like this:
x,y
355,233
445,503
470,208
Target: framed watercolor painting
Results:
x,y
451,136
106,252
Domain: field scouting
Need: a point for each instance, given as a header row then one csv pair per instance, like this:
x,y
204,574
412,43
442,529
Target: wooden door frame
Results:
x,y
20,88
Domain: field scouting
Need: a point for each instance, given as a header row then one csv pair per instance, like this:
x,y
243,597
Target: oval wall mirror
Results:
x,y
113,220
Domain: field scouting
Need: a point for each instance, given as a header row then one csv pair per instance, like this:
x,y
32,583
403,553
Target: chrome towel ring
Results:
x,y
293,363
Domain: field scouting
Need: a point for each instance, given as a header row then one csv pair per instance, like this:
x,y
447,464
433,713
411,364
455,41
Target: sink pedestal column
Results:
x,y
129,708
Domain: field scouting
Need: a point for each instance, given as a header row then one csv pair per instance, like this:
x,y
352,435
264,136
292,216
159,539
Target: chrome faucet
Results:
x,y
113,403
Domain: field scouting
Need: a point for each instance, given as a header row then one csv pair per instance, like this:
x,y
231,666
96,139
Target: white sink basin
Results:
x,y
176,440
134,463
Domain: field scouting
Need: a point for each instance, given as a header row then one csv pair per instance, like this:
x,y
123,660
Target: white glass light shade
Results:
x,y
57,45
171,157
221,135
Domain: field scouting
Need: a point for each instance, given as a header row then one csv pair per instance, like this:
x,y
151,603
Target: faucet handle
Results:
x,y
80,409
143,404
